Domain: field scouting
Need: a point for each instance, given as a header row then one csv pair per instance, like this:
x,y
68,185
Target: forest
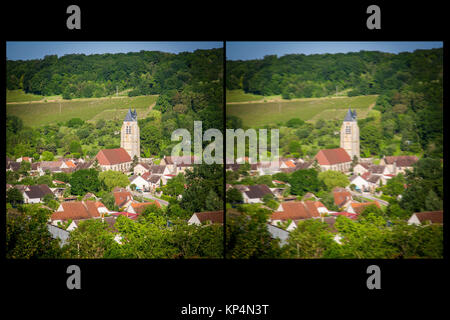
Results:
x,y
189,86
409,88
99,75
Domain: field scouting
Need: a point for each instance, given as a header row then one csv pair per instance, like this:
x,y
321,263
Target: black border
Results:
x,y
291,287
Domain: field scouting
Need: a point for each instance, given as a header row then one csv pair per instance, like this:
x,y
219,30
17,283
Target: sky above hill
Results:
x,y
257,50
26,50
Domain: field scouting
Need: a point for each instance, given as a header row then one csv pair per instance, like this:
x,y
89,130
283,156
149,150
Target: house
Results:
x,y
352,216
255,194
207,217
154,181
360,183
358,208
361,168
28,159
278,233
159,170
114,159
78,210
341,196
141,168
334,159
269,168
141,183
378,169
13,166
139,207
399,164
84,165
173,162
122,197
427,217
298,210
35,194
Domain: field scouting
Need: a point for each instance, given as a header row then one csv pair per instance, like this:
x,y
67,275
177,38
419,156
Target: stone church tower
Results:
x,y
350,134
129,136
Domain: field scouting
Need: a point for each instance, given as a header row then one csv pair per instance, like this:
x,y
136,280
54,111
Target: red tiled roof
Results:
x,y
341,196
332,156
140,207
212,216
347,214
431,216
295,210
77,210
112,156
70,164
359,207
121,197
290,164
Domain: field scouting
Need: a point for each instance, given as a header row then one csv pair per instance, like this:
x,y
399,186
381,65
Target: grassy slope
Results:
x,y
259,114
241,96
40,113
20,96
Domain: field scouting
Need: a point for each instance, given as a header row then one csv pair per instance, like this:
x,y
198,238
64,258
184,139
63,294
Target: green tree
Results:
x,y
84,181
14,197
333,179
27,235
112,179
47,156
303,181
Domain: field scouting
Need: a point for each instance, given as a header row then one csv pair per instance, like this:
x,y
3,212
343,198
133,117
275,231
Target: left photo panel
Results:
x,y
114,150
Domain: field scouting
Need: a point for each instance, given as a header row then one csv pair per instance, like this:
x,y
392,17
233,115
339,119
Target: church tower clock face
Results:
x,y
129,137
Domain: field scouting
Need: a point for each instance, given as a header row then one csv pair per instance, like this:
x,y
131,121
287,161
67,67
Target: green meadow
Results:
x,y
258,114
35,114
241,96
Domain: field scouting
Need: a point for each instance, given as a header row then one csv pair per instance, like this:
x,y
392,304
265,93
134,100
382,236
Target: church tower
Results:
x,y
129,136
350,134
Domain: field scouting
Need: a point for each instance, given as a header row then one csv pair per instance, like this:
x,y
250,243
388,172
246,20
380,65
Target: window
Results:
x,y
347,130
128,130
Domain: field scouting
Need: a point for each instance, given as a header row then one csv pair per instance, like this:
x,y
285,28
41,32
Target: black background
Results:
x,y
293,289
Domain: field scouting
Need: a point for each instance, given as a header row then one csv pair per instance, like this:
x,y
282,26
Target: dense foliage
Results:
x,y
98,75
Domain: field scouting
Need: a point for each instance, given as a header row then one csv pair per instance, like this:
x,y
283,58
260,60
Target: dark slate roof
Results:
x,y
258,191
14,166
38,191
377,169
157,169
153,179
131,116
350,116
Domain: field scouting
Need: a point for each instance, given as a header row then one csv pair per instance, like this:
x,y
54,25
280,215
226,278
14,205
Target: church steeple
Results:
x,y
131,116
350,134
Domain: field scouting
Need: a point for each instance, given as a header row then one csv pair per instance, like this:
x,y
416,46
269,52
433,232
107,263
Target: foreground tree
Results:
x,y
27,235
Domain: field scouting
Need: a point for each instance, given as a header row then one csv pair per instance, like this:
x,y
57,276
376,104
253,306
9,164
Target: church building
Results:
x,y
340,159
121,159
350,134
129,136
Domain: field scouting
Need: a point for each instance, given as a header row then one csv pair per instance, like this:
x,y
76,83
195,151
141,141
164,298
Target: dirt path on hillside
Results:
x,y
285,100
63,100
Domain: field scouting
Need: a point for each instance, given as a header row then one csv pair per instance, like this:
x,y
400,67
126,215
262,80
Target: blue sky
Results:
x,y
257,50
25,50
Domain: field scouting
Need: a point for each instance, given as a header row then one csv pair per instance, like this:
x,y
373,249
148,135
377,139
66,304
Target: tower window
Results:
x,y
128,130
347,130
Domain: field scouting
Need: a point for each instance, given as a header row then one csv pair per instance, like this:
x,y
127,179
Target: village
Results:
x,y
362,185
143,188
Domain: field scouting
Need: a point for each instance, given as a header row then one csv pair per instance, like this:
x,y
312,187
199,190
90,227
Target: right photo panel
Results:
x,y
334,150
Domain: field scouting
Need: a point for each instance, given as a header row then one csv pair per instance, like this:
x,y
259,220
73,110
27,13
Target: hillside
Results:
x,y
256,114
38,113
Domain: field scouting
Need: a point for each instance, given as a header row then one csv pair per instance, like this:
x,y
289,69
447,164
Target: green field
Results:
x,y
20,96
241,96
36,114
308,109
